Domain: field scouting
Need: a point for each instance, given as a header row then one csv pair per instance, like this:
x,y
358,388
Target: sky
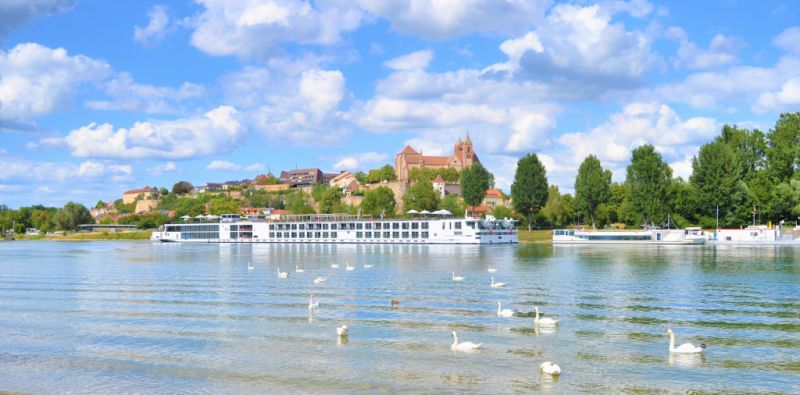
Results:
x,y
98,97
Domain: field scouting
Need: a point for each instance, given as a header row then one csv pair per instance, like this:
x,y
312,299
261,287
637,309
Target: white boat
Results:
x,y
646,236
341,228
756,235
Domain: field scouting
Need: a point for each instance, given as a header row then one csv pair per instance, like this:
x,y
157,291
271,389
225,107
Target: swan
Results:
x,y
491,269
505,313
497,285
545,321
465,346
297,269
282,274
334,265
250,266
319,280
457,278
312,304
348,267
685,348
367,266
342,330
550,368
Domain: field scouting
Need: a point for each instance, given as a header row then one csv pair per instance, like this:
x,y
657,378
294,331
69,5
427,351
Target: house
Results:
x,y
231,184
145,206
273,187
301,177
478,211
463,157
275,214
445,188
142,193
494,198
253,211
213,187
327,177
342,180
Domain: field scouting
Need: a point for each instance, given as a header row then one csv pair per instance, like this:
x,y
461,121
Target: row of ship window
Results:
x,y
351,226
359,235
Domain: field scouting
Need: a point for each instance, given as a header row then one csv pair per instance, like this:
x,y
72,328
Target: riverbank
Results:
x,y
93,236
542,236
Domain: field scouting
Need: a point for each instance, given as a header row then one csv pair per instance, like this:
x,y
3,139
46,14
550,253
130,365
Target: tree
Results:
x,y
296,203
749,147
558,208
529,190
502,212
331,201
715,176
452,204
475,180
592,187
317,191
648,183
448,174
182,187
361,177
421,196
385,173
783,152
266,179
223,205
100,204
377,200
72,215
163,191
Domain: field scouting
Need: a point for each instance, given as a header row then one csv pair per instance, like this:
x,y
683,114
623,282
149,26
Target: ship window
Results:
x,y
234,235
302,234
458,225
405,225
424,225
234,228
294,235
280,234
359,225
442,225
302,226
414,235
324,235
385,235
395,235
424,235
368,226
333,235
471,224
318,234
325,227
405,235
415,225
395,225
359,235
271,234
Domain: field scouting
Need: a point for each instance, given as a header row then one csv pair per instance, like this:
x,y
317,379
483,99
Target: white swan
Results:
x,y
297,269
319,280
282,274
465,346
348,267
545,321
685,348
312,304
367,266
497,285
250,266
505,313
342,330
334,265
491,269
550,368
457,278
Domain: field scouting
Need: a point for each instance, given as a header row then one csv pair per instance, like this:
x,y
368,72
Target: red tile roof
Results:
x,y
436,160
409,150
494,192
438,178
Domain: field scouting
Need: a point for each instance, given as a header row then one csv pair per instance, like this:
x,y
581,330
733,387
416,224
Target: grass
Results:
x,y
93,236
543,236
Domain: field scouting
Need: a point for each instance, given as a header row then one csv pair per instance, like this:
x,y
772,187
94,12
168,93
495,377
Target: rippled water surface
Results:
x,y
139,317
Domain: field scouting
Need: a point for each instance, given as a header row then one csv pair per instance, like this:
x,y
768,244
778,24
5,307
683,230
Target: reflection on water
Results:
x,y
141,317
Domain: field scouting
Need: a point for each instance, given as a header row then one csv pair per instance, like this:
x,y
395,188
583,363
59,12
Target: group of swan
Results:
x,y
493,283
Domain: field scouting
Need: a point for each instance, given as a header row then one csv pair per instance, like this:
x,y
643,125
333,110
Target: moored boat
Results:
x,y
645,236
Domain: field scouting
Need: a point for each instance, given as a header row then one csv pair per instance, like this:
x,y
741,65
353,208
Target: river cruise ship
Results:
x,y
341,228
646,236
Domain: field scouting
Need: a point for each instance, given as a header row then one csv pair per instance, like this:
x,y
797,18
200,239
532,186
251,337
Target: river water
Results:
x,y
136,317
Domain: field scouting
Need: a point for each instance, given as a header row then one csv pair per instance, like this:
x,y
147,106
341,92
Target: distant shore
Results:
x,y
542,236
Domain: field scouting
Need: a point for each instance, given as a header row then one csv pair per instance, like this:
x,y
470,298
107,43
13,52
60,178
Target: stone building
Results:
x,y
463,156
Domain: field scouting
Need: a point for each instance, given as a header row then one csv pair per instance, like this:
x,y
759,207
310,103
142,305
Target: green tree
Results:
x,y
715,177
296,203
475,180
501,212
331,201
421,196
448,174
648,183
592,187
783,152
452,204
182,187
100,204
266,179
72,215
385,173
318,191
529,190
223,205
163,191
378,199
361,177
749,147
559,208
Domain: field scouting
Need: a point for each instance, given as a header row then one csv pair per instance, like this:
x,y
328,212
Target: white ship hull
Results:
x,y
655,236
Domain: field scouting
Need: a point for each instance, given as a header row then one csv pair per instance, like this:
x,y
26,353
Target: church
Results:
x,y
463,156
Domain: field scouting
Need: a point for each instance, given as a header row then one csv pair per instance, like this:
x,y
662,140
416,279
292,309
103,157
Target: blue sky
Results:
x,y
98,97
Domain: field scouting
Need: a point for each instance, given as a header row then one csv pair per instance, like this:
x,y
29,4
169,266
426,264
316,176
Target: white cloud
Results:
x,y
789,40
414,60
215,132
166,167
721,51
787,98
27,171
130,96
442,19
155,29
36,80
256,28
14,13
224,165
361,161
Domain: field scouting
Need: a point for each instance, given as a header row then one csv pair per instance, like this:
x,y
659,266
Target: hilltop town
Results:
x,y
416,181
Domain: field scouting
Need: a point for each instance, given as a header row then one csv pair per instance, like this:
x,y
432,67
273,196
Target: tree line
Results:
x,y
741,176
